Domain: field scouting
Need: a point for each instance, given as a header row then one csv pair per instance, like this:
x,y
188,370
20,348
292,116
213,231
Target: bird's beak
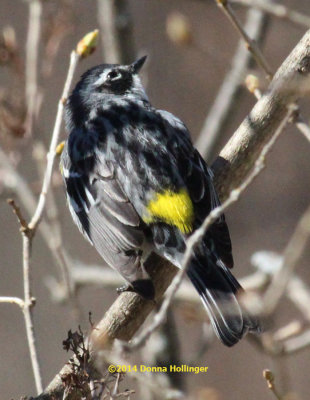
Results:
x,y
137,65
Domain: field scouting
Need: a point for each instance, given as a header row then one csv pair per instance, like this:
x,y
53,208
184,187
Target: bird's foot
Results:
x,y
125,288
143,287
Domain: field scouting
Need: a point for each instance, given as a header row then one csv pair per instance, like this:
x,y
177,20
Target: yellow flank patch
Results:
x,y
173,209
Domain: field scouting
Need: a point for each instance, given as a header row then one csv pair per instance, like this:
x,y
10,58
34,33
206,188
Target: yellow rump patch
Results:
x,y
173,209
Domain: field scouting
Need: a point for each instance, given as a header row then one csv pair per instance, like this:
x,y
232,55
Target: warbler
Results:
x,y
135,185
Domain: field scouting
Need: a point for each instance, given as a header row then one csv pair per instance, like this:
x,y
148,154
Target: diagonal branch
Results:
x,y
259,57
222,106
194,240
250,43
291,81
54,141
277,10
129,311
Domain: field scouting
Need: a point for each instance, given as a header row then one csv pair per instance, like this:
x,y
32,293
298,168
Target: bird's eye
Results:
x,y
113,75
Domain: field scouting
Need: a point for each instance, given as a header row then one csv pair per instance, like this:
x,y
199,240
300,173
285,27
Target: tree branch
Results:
x,y
250,43
129,311
32,52
277,10
289,83
115,24
221,108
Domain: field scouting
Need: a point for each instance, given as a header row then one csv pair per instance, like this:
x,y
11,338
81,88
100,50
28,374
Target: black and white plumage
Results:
x,y
135,184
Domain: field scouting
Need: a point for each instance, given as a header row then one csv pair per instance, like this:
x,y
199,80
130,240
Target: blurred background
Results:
x,y
190,45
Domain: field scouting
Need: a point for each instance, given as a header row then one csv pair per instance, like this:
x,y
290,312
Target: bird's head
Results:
x,y
104,83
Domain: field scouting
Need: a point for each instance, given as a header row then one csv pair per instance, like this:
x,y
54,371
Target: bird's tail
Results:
x,y
218,288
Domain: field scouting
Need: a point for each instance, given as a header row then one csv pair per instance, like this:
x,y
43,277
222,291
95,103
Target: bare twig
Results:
x,y
74,58
115,24
18,214
55,235
297,343
260,59
85,46
106,19
96,275
32,51
15,182
270,264
287,85
12,300
299,293
278,10
290,338
268,375
30,230
251,44
303,127
29,303
221,108
292,254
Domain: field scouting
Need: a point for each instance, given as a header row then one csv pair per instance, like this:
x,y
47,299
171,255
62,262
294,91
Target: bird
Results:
x,y
135,184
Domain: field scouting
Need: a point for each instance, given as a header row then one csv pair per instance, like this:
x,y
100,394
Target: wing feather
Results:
x,y
101,209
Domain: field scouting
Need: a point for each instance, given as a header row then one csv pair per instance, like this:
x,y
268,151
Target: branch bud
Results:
x,y
252,83
59,148
88,44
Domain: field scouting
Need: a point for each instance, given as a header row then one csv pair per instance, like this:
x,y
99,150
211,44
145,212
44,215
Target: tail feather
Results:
x,y
217,288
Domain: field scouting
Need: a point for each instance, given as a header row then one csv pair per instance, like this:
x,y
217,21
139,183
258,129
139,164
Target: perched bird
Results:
x,y
135,184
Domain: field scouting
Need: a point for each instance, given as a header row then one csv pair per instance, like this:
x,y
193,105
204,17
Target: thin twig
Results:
x,y
251,44
194,240
106,19
55,235
289,80
115,24
297,343
96,275
16,182
13,300
291,256
277,10
260,59
29,303
268,375
32,52
18,214
74,58
85,46
303,127
269,264
299,293
222,105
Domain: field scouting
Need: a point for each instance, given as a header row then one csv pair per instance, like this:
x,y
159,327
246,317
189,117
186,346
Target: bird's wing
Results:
x,y
197,177
101,209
